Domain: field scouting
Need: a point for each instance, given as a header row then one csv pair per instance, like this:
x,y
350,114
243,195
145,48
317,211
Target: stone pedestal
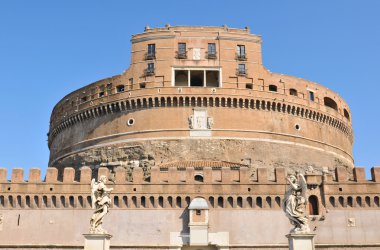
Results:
x,y
301,241
97,241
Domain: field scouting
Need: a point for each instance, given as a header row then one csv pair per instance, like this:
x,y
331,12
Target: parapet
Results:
x,y
173,175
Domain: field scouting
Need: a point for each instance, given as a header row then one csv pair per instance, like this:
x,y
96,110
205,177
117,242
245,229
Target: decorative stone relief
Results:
x,y
196,54
200,123
351,222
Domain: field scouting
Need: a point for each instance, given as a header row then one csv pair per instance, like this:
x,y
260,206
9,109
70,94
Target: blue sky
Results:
x,y
50,48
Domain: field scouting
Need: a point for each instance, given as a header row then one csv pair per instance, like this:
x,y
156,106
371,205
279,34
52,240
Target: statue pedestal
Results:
x,y
97,241
301,241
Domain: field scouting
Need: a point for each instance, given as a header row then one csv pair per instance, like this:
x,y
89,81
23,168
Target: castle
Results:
x,y
197,138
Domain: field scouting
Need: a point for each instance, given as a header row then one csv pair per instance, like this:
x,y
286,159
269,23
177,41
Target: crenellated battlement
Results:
x,y
174,175
172,187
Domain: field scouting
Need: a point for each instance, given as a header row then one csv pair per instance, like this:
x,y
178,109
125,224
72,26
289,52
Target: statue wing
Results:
x,y
303,186
94,187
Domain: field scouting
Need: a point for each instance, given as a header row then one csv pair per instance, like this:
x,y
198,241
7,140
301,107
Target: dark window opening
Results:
x,y
273,88
198,178
151,52
212,78
181,53
198,212
181,78
241,69
346,114
211,53
101,94
120,88
313,205
311,96
249,86
196,78
330,103
142,85
240,53
150,69
83,99
293,92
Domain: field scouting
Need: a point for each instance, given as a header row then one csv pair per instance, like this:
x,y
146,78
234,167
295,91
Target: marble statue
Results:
x,y
295,203
100,201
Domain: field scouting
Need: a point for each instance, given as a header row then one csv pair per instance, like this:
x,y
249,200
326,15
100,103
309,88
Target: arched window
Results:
x,y
259,202
313,205
330,103
220,202
273,88
346,114
198,178
293,92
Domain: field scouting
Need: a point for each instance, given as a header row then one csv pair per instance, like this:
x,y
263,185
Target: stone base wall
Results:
x,y
248,152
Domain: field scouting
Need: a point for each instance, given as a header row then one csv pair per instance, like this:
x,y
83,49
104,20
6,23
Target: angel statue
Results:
x,y
100,200
295,203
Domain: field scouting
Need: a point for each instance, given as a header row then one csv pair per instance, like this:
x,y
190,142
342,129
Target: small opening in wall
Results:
x,y
9,189
249,86
198,212
142,85
249,189
101,94
134,189
340,189
298,127
51,189
130,121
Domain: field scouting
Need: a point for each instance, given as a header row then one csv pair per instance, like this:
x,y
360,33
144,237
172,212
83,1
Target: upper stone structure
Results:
x,y
200,94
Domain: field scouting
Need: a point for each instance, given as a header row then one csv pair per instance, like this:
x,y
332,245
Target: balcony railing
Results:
x,y
211,55
149,72
241,72
150,56
241,57
181,54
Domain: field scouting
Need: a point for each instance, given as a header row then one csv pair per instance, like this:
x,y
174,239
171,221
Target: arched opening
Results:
x,y
160,201
239,202
115,201
198,178
330,103
346,114
313,205
220,202
293,92
259,202
273,88
332,201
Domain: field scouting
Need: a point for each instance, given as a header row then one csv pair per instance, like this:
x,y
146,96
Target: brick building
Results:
x,y
197,137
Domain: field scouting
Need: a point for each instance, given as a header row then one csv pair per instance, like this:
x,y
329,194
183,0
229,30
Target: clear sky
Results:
x,y
50,48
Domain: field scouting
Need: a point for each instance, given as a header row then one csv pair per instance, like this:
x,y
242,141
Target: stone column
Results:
x,y
97,241
304,241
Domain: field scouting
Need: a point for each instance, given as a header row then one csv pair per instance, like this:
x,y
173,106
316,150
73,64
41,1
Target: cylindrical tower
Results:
x,y
200,95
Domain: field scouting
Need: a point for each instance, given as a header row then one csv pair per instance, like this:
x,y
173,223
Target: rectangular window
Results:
x,y
150,70
151,51
197,211
240,52
181,50
311,96
130,83
241,69
211,53
196,78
